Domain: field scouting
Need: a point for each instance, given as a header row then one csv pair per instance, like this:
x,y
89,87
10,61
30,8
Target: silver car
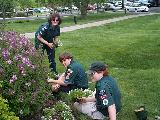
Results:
x,y
135,7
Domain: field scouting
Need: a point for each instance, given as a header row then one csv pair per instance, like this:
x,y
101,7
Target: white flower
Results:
x,y
28,84
21,112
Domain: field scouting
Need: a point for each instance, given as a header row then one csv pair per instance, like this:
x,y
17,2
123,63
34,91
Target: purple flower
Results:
x,y
21,67
13,79
32,66
5,53
9,61
23,41
26,61
18,57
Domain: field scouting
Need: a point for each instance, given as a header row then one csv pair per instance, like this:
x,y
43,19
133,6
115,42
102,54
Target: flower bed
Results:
x,y
23,75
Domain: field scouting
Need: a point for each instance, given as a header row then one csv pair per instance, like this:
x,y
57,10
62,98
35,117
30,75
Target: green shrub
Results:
x,y
5,114
7,14
20,14
24,75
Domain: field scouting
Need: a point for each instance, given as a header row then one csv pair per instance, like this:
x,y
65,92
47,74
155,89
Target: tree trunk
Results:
x,y
83,9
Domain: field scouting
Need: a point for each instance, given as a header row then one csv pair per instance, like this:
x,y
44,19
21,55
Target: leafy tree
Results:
x,y
99,3
82,5
26,3
6,9
54,3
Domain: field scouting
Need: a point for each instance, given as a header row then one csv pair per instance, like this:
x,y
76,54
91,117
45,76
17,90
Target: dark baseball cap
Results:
x,y
97,66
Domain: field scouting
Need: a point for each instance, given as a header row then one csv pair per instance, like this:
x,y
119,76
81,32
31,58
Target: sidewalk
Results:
x,y
76,27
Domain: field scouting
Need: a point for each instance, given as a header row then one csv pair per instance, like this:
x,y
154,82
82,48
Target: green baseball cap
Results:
x,y
97,66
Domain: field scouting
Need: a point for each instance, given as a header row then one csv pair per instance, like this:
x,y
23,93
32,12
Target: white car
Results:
x,y
137,8
110,6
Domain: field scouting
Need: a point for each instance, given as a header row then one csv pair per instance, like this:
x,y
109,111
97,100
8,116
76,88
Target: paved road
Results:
x,y
76,27
43,16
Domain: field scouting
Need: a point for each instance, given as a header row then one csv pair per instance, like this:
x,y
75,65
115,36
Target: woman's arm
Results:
x,y
44,41
87,99
90,99
112,112
60,81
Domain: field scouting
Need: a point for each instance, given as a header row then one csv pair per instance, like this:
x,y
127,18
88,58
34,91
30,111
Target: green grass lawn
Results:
x,y
24,26
131,48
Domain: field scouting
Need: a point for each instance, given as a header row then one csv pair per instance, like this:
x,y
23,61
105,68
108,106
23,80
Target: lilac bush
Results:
x,y
24,74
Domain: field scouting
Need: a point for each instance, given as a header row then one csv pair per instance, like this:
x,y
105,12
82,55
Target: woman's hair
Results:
x,y
65,56
53,16
105,72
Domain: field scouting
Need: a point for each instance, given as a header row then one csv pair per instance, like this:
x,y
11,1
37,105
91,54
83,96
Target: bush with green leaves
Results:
x,y
73,95
24,75
60,111
20,14
5,114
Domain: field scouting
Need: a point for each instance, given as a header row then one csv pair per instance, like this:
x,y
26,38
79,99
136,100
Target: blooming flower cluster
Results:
x,y
18,49
24,77
60,109
73,95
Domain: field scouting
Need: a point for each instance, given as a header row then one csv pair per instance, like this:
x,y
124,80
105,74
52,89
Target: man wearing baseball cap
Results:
x,y
107,98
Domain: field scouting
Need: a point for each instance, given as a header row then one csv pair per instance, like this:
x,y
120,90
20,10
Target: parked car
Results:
x,y
146,4
118,3
137,8
152,3
110,6
36,10
74,7
128,4
28,11
44,9
63,9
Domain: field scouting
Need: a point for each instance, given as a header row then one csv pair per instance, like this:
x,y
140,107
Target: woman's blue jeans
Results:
x,y
51,58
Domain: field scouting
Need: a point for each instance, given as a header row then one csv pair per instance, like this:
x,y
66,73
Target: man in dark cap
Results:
x,y
107,98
